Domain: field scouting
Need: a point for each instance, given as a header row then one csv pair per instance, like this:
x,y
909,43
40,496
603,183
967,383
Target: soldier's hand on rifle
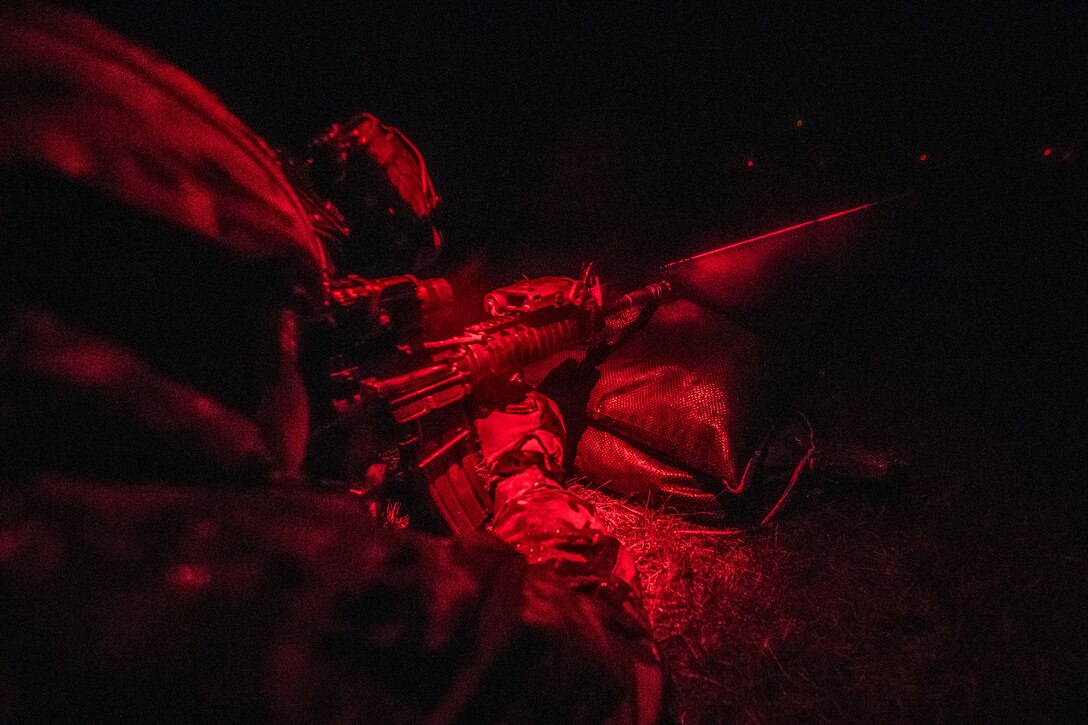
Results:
x,y
517,436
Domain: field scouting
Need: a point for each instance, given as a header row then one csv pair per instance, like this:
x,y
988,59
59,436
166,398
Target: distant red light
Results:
x,y
1047,151
750,164
922,157
190,577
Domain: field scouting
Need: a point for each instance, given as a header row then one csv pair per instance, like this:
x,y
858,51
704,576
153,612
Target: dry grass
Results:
x,y
905,608
673,557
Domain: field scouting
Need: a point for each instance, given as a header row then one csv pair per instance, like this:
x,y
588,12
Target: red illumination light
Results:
x,y
750,163
1047,151
791,228
922,157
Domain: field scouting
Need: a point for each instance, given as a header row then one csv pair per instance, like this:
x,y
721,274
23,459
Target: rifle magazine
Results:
x,y
458,490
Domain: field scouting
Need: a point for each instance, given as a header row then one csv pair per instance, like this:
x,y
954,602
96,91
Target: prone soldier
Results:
x,y
156,562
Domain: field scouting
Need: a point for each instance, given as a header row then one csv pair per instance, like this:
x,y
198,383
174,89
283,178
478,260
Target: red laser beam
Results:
x,y
791,228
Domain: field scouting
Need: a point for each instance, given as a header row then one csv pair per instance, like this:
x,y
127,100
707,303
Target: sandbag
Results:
x,y
673,415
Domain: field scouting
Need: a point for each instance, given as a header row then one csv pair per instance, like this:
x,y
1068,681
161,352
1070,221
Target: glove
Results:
x,y
519,436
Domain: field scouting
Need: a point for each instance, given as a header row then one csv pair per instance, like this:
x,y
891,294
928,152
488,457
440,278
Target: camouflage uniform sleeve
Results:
x,y
581,578
581,582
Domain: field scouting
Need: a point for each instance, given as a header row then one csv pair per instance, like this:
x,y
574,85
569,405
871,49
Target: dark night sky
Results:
x,y
629,125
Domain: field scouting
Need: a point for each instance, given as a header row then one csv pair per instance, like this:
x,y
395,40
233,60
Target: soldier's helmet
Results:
x,y
83,102
150,243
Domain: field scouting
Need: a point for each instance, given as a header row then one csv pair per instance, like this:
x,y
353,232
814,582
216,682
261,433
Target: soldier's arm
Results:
x,y
567,547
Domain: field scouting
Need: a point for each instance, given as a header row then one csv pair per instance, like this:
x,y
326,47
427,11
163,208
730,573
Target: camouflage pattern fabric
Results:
x,y
228,599
124,603
82,101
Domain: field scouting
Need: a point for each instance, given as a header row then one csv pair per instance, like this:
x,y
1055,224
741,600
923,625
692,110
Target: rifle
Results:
x,y
394,413
393,400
